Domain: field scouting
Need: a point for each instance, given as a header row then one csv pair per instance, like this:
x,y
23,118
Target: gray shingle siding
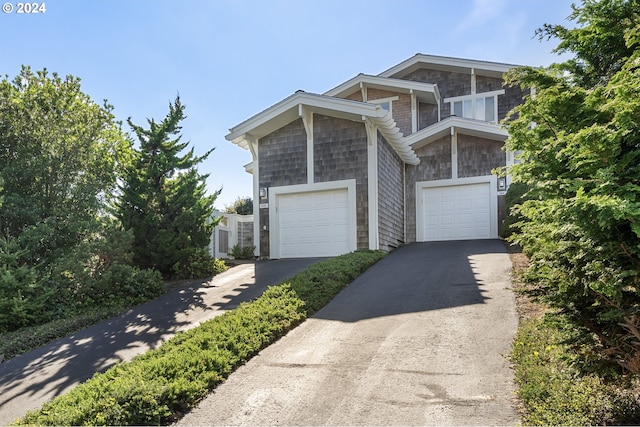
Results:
x,y
390,197
427,115
283,156
435,163
512,97
449,84
478,156
282,161
340,152
488,84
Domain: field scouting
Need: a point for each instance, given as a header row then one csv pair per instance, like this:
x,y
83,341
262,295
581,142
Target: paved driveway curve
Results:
x,y
30,380
418,339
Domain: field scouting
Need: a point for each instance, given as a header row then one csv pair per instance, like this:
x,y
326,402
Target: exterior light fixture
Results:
x,y
502,183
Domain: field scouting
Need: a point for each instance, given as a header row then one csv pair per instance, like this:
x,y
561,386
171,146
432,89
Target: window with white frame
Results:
x,y
386,103
479,106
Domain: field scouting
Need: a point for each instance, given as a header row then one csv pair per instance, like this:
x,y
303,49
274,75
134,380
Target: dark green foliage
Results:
x,y
23,299
318,284
61,156
164,199
598,41
158,386
581,226
199,265
554,392
242,206
20,341
516,194
243,252
93,274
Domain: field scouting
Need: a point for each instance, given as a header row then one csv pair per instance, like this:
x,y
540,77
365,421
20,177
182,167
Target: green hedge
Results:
x,y
157,387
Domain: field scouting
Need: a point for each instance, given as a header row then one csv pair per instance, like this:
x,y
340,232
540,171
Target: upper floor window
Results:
x,y
386,103
480,106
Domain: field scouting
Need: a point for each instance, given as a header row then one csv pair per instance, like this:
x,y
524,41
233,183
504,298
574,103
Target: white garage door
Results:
x,y
314,224
459,212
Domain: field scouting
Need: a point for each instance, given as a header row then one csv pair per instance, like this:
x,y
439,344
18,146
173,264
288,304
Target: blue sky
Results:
x,y
229,60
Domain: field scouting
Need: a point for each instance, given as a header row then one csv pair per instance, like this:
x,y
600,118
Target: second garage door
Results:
x,y
314,224
457,212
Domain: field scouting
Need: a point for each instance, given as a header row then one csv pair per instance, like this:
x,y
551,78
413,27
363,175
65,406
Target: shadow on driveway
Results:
x,y
415,278
29,380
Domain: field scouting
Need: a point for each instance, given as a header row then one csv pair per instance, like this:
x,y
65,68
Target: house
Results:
x,y
380,161
232,230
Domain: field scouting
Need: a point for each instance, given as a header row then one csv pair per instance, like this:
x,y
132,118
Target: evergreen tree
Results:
x,y
164,198
581,222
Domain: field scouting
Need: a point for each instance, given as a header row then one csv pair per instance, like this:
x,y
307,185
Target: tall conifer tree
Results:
x,y
164,198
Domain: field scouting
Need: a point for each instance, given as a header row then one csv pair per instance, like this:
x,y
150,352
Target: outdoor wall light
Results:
x,y
502,183
263,193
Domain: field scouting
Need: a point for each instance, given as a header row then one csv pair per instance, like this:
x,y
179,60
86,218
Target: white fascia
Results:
x,y
287,110
425,91
305,104
447,63
462,125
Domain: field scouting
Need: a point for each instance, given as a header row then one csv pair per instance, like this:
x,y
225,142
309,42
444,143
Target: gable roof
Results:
x,y
426,92
446,63
291,108
288,110
465,126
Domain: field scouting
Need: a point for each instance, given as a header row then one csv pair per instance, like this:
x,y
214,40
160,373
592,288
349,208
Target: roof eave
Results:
x,y
449,63
427,91
462,125
288,110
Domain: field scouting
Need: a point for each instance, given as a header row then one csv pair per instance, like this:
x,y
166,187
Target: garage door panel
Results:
x,y
456,212
313,224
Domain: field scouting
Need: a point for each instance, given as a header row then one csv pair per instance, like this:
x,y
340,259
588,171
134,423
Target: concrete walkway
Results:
x,y
30,380
418,339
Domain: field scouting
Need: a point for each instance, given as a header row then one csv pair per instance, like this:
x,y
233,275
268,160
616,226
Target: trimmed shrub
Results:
x,y
200,264
157,387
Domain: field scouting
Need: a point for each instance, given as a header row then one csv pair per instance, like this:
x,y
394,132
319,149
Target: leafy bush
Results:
x,y
124,283
155,387
516,194
246,252
22,297
555,392
241,206
200,264
581,229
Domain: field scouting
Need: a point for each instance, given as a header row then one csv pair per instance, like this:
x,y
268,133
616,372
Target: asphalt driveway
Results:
x,y
418,339
30,380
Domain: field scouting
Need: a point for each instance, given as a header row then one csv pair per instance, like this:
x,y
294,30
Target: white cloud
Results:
x,y
481,13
